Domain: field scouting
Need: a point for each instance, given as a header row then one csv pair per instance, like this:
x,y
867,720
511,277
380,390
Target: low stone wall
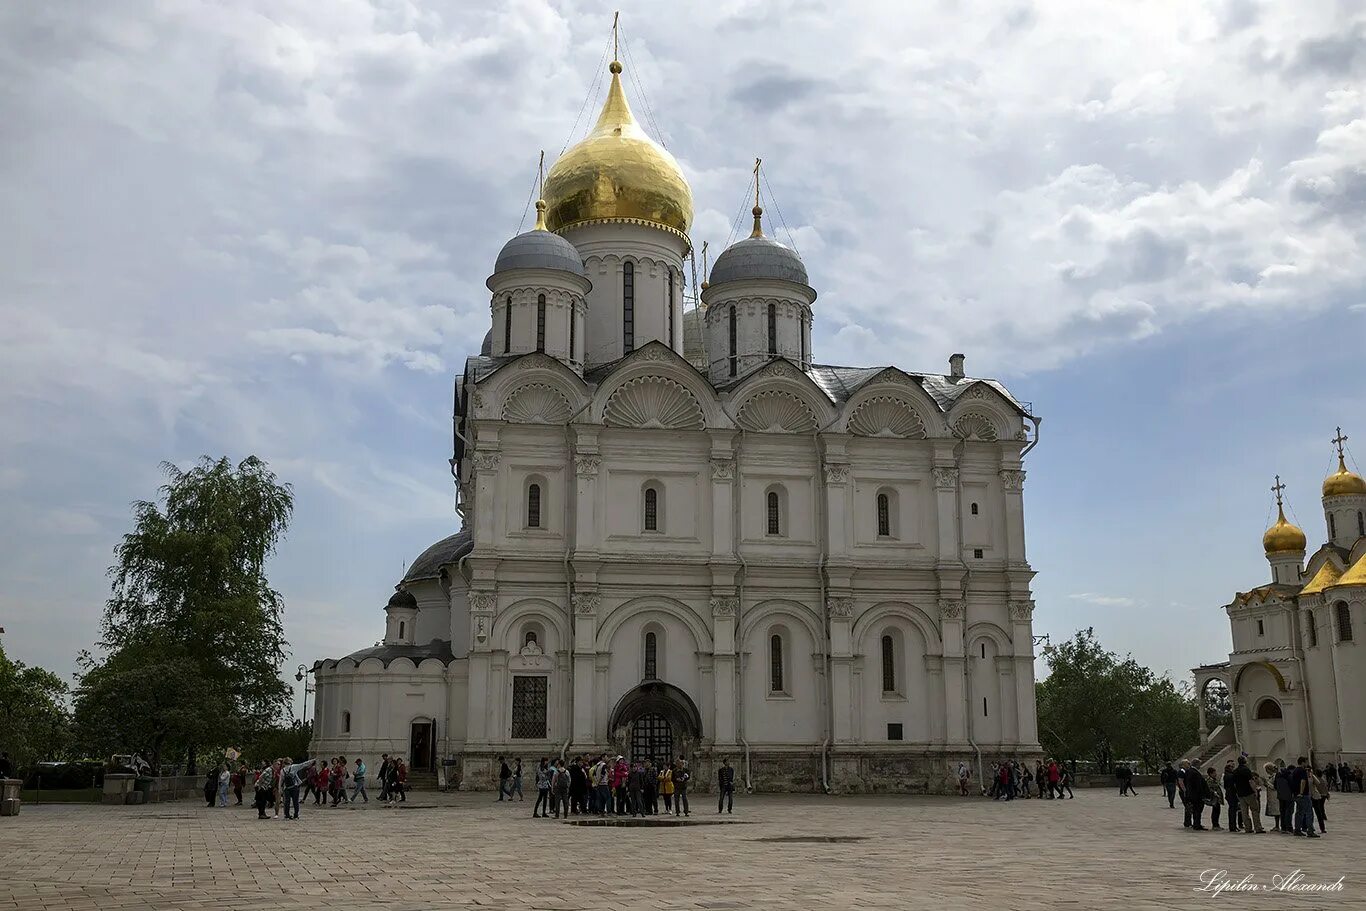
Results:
x,y
124,788
9,796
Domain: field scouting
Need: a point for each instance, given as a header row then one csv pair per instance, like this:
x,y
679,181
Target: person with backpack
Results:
x,y
265,785
542,806
390,783
559,789
291,776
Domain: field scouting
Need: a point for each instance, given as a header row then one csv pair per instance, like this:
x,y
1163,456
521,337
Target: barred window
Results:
x,y
1344,622
529,707
651,509
884,516
533,506
540,322
772,328
651,656
888,665
507,326
732,340
774,515
628,307
775,664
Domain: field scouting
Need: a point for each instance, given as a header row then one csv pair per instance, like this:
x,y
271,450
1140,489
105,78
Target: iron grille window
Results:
x,y
651,657
533,506
894,731
732,340
888,665
507,326
540,322
1344,622
772,328
775,664
884,516
528,707
651,509
628,307
774,525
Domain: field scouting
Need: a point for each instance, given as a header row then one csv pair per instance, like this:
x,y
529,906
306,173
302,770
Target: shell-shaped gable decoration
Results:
x,y
775,411
975,427
537,403
653,402
887,416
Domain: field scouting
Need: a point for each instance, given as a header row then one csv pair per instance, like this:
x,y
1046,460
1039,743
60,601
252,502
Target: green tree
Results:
x,y
192,624
34,724
1168,722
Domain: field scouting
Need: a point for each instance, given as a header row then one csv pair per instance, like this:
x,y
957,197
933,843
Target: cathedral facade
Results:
x,y
683,536
1295,678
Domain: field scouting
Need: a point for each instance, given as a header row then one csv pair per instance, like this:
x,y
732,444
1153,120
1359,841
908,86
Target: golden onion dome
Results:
x,y
618,174
1343,483
1283,537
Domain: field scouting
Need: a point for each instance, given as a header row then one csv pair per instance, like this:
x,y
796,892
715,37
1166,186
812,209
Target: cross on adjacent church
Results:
x,y
1339,440
1277,489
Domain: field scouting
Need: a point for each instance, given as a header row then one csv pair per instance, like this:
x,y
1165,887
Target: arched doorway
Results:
x,y
656,721
422,745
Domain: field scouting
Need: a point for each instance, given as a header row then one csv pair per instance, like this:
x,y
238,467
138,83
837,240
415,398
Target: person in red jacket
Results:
x,y
1054,778
620,772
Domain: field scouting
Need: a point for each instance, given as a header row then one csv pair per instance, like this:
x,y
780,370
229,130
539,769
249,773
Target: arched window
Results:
x,y
1267,709
803,339
628,307
1361,524
671,308
772,328
884,516
1311,632
1344,622
776,683
774,507
540,322
529,638
346,722
533,506
507,326
651,509
974,509
651,657
888,664
1332,526
400,629
733,361
573,333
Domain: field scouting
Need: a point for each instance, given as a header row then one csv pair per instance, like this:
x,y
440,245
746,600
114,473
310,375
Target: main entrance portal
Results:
x,y
652,738
656,721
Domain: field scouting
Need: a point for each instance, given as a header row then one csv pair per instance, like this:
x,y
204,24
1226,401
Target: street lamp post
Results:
x,y
301,675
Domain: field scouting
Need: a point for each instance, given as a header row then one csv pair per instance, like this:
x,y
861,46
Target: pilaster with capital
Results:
x,y
587,463
952,617
486,461
944,474
1012,490
724,488
724,608
585,606
478,709
839,608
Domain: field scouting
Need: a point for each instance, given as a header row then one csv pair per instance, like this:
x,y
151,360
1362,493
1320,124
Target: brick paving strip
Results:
x,y
792,852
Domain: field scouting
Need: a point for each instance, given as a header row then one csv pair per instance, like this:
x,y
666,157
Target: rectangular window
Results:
x,y
573,334
1310,630
528,707
772,328
507,326
1344,622
888,665
1261,630
775,664
977,553
732,341
533,506
893,731
540,323
628,308
671,308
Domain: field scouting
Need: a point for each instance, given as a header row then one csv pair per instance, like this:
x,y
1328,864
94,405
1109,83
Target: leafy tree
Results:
x,y
1098,706
193,631
34,724
275,742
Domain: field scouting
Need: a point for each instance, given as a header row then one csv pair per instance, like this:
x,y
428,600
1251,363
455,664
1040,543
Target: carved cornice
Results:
x,y
1022,611
951,608
842,608
586,603
945,478
723,469
483,602
836,473
1012,480
486,461
587,465
724,607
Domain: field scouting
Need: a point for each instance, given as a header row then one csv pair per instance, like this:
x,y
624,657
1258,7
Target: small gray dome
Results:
x,y
539,250
486,349
402,599
758,257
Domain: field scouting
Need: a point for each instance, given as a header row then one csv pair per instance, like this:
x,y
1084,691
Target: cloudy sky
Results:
x,y
264,227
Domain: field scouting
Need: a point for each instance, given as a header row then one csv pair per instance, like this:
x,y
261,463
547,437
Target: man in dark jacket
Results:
x,y
578,787
1245,785
725,783
681,778
1285,797
504,776
635,788
1195,788
1168,779
1231,797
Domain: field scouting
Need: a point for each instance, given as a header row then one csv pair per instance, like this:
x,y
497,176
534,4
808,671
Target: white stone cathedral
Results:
x,y
1297,673
684,537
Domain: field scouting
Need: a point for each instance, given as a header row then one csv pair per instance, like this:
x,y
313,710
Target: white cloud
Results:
x,y
1106,600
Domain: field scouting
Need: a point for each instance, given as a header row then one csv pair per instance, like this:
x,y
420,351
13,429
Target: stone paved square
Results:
x,y
468,851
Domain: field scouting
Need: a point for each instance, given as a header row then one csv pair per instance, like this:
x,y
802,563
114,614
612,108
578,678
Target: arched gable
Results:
x,y
892,404
981,413
1267,665
658,388
989,630
636,607
509,620
490,399
761,613
780,398
870,619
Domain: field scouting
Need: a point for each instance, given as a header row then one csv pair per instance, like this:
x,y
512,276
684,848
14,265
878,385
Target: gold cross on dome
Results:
x,y
1339,440
1278,488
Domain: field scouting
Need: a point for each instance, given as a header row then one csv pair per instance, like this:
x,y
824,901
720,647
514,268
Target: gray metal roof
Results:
x,y
486,348
761,258
428,563
539,250
402,599
439,649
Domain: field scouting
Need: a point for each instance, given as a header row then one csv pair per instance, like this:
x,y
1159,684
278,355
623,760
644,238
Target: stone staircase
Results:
x,y
1213,750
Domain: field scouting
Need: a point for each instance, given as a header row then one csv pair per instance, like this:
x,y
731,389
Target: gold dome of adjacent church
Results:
x,y
618,174
1283,537
1343,483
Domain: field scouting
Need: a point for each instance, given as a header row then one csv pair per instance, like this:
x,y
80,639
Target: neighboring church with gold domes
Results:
x,y
1297,672
685,537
